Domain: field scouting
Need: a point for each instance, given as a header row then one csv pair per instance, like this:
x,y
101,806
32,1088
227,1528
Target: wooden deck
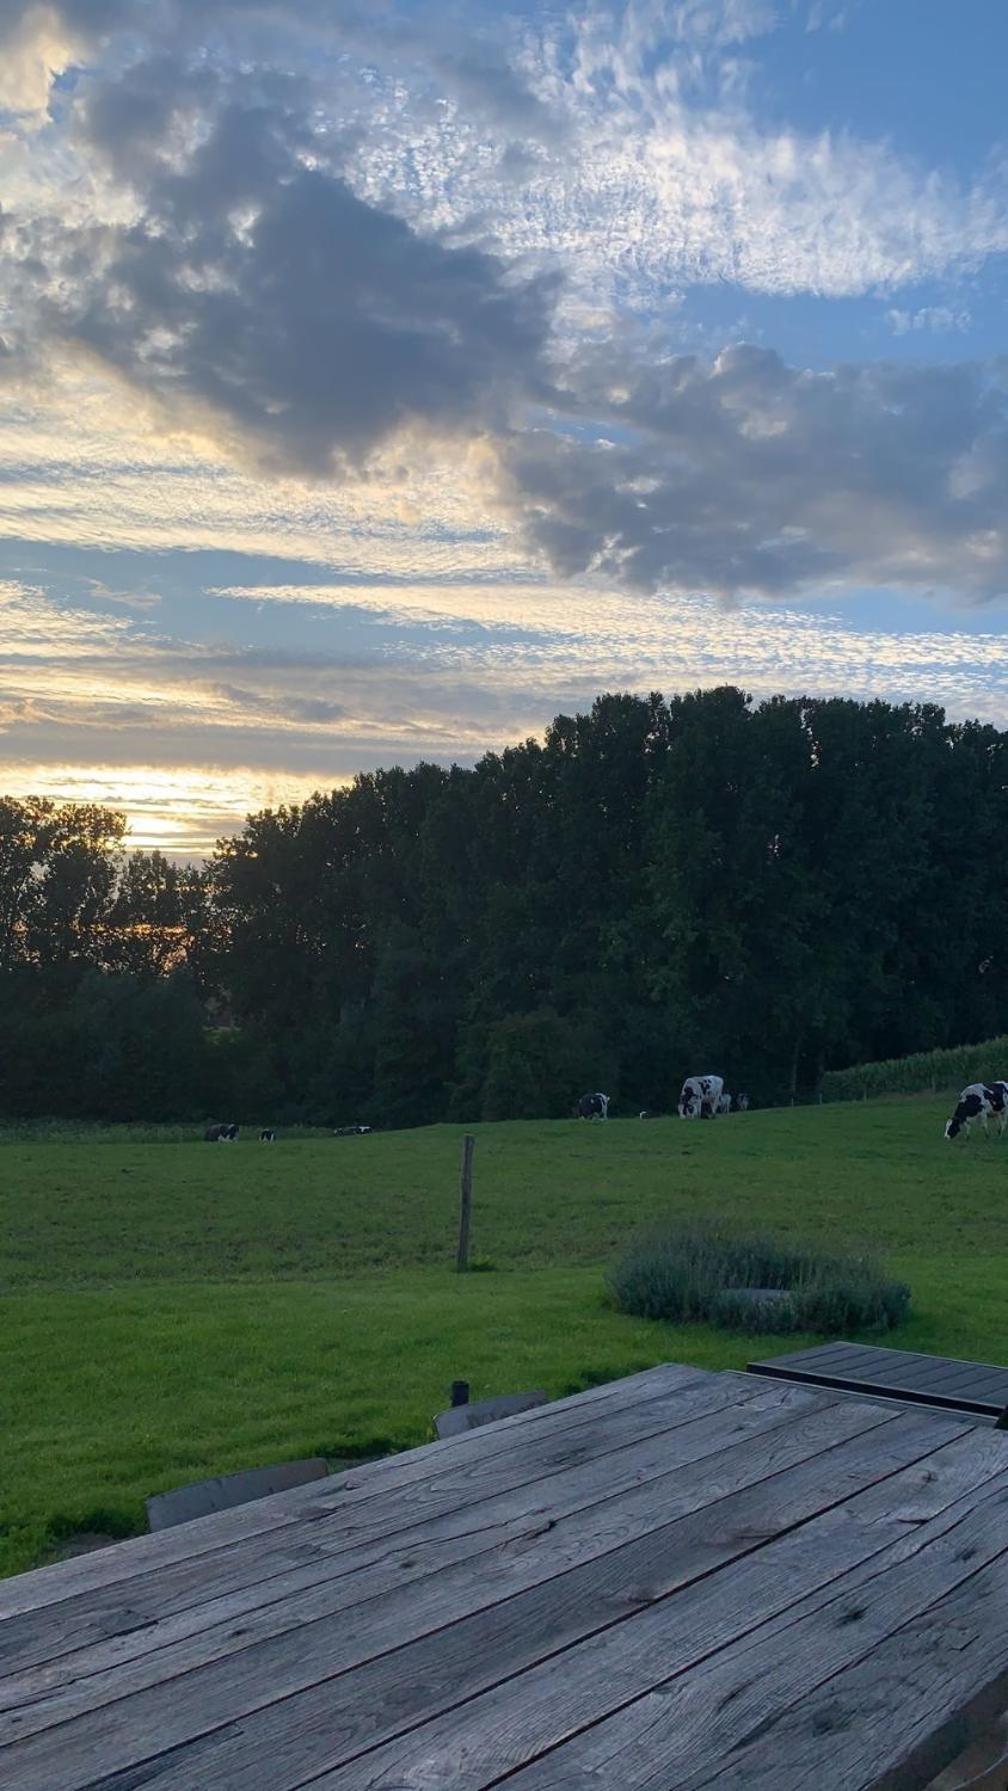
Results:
x,y
977,1388
678,1580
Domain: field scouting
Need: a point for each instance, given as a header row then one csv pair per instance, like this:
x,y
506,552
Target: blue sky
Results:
x,y
381,379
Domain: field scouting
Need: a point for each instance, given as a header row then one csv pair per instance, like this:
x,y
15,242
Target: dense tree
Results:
x,y
653,888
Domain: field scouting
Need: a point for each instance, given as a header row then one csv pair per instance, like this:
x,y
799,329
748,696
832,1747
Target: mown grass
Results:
x,y
172,1310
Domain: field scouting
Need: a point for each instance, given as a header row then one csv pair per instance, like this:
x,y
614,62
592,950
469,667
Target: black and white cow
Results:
x,y
700,1097
351,1131
266,1136
220,1134
593,1106
741,1103
981,1101
724,1104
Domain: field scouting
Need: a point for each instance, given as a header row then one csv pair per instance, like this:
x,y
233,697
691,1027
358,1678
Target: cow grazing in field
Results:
x,y
741,1103
351,1131
997,1101
700,1097
220,1134
593,1106
981,1101
266,1136
724,1104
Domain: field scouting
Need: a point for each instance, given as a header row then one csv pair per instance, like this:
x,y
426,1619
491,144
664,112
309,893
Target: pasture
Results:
x,y
172,1310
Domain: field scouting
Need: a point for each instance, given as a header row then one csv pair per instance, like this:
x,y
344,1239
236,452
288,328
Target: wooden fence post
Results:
x,y
465,1202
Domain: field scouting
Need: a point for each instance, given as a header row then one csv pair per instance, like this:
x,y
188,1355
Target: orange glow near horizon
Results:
x,y
179,810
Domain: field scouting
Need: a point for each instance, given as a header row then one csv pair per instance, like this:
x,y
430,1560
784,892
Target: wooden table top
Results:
x,y
968,1388
681,1579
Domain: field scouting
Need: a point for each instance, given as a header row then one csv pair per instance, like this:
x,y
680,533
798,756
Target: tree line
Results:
x,y
653,889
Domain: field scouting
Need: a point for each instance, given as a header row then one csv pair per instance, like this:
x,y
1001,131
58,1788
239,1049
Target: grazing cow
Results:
x,y
724,1102
220,1134
741,1103
350,1131
700,1097
266,1136
593,1106
983,1101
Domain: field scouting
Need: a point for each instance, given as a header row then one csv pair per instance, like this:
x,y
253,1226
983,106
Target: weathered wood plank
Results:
x,y
924,1376
758,1711
307,1731
473,1746
68,1579
51,1692
346,1516
375,1523
892,1720
857,1367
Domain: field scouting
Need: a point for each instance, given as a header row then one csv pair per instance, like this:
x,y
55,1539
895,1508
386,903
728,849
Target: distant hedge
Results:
x,y
918,1074
704,1273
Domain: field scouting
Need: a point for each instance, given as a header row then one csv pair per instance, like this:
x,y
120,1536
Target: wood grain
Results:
x,y
685,1580
313,1698
223,1553
40,1695
106,1567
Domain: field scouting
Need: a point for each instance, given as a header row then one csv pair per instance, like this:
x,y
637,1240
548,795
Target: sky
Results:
x,y
379,380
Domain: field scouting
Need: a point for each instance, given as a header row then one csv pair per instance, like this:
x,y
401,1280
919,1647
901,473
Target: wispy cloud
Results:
x,y
936,318
402,676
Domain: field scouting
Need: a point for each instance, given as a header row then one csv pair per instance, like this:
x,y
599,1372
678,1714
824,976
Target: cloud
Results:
x,y
939,318
259,299
745,475
189,735
662,174
39,39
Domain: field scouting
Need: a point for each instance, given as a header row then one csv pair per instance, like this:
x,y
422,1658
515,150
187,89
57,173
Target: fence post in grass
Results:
x,y
465,1202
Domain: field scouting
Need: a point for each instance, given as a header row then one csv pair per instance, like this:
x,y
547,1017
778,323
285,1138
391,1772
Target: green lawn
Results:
x,y
172,1311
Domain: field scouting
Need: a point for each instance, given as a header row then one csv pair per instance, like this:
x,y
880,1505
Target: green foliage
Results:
x,y
922,1073
101,1046
538,1064
689,1274
654,888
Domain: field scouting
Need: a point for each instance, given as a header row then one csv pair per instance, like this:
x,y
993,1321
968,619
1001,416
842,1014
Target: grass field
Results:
x,y
171,1311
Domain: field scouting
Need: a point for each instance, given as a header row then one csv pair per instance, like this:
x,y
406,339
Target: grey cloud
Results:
x,y
289,707
478,73
747,475
490,86
87,18
261,292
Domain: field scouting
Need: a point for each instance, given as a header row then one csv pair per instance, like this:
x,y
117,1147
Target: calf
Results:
x,y
724,1102
593,1106
700,1097
983,1101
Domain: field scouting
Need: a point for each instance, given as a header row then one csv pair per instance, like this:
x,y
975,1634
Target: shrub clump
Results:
x,y
703,1273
